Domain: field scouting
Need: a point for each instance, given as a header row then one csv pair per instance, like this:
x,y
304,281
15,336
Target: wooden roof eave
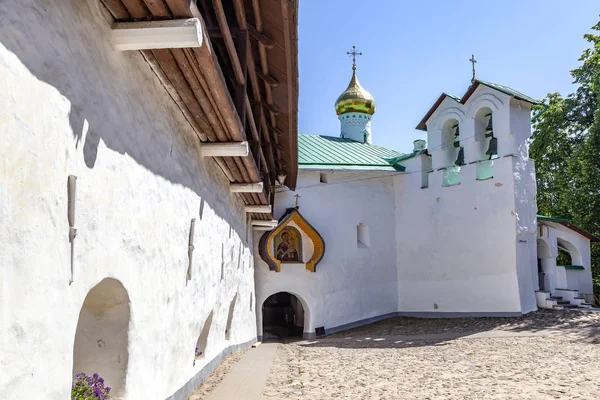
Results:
x,y
195,81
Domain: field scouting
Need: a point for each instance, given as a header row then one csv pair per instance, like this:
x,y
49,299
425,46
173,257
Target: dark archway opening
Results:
x,y
283,317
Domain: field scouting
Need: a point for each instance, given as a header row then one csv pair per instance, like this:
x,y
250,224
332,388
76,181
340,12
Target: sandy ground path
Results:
x,y
374,362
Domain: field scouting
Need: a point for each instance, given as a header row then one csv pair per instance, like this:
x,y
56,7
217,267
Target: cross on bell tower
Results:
x,y
354,53
473,61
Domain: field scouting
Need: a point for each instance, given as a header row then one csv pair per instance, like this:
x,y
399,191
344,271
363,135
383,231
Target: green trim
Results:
x,y
550,219
572,266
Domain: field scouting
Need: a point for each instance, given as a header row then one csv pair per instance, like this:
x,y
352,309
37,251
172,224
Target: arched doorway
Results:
x,y
544,259
101,337
283,317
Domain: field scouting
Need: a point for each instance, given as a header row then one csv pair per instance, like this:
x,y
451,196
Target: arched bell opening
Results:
x,y
101,339
486,143
451,151
201,343
283,317
230,317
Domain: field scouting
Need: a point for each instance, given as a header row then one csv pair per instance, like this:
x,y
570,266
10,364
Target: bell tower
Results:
x,y
355,108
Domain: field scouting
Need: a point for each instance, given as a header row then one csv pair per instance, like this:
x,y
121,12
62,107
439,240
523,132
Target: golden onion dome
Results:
x,y
355,99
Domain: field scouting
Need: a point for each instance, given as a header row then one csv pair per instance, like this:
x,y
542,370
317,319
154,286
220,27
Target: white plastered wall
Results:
x,y
351,283
70,103
579,248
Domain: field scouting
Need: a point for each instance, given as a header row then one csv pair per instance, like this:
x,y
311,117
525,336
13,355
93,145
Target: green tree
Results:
x,y
566,149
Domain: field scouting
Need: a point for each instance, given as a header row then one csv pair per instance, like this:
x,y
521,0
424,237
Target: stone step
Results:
x,y
563,306
563,302
556,297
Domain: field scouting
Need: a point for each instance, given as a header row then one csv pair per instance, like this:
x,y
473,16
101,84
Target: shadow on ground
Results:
x,y
406,332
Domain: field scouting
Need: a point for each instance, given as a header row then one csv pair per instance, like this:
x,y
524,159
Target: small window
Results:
x,y
323,178
363,239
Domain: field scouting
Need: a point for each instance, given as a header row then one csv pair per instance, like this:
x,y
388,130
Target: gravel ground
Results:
x,y
216,376
564,366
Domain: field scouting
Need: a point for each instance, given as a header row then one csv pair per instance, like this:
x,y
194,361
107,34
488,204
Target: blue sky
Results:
x,y
414,51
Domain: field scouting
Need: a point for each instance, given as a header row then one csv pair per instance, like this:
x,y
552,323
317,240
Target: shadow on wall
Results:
x,y
114,96
101,342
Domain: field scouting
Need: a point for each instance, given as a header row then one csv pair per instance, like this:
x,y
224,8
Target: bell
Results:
x,y
489,126
457,143
460,160
493,147
456,132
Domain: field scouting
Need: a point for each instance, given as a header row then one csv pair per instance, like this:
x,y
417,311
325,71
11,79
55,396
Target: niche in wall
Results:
x,y
101,339
363,238
230,316
200,350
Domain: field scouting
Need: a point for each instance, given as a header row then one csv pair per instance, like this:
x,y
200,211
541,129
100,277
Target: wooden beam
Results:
x,y
136,8
262,228
269,80
261,37
146,35
258,209
256,187
227,149
229,44
261,222
117,9
158,8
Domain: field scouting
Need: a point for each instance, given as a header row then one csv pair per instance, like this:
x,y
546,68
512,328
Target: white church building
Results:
x,y
448,230
159,211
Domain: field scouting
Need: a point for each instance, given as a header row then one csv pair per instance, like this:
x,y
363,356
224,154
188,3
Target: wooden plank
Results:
x,y
261,37
117,9
208,93
177,79
137,9
198,91
242,42
229,44
240,14
216,85
183,8
164,79
158,8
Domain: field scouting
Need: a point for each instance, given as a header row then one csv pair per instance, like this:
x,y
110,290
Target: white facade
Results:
x,y
356,126
72,104
442,240
352,282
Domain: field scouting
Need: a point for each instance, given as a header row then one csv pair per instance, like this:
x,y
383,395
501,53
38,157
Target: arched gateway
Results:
x,y
283,316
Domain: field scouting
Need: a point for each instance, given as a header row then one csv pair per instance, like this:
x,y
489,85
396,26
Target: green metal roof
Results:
x,y
335,153
510,92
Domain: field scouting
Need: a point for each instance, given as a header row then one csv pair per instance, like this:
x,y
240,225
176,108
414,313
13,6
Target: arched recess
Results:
x,y
101,339
569,251
230,316
482,117
284,315
447,150
200,349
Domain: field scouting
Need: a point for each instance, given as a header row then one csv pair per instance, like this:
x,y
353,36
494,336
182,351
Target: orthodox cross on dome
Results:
x,y
354,53
297,196
473,61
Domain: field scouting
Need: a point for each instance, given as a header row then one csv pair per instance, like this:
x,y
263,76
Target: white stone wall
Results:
x,y
456,245
351,283
71,104
579,247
